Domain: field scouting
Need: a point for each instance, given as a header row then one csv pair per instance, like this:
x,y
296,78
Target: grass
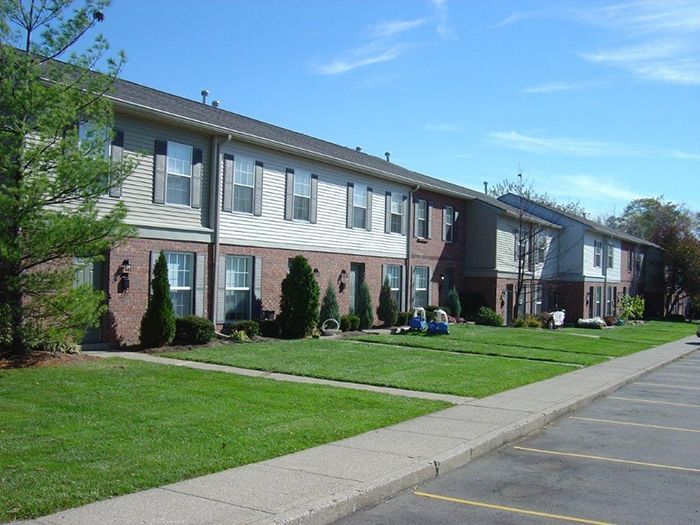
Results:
x,y
409,368
78,433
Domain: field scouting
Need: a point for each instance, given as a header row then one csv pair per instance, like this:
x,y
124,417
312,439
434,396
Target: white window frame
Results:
x,y
238,164
169,173
610,255
422,223
229,286
302,181
360,196
597,254
449,225
188,256
421,290
395,290
396,200
541,248
597,301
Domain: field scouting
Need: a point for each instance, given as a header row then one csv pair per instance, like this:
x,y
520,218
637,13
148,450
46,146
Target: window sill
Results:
x,y
422,240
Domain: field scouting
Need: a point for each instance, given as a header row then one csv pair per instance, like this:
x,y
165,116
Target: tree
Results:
x,y
675,229
528,191
364,307
453,303
299,303
51,179
158,323
388,310
329,305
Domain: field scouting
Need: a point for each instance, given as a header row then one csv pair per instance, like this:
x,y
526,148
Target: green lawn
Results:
x,y
410,368
77,433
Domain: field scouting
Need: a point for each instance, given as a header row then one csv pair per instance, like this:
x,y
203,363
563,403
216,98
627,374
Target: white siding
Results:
x,y
329,234
589,269
505,244
137,189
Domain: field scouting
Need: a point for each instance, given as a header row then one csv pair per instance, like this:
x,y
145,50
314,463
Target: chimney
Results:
x,y
388,156
205,94
358,148
215,103
486,187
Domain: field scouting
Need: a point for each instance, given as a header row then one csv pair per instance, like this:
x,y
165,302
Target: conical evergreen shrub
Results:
x,y
158,323
388,310
329,305
299,303
453,304
364,307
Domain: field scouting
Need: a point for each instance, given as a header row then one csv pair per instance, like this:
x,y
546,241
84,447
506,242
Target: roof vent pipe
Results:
x,y
388,156
205,94
358,148
215,103
486,187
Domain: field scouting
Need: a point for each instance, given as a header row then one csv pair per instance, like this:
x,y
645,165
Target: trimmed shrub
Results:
x,y
329,305
240,336
453,304
299,302
632,307
349,323
677,318
192,329
364,307
471,302
519,323
158,323
388,310
402,318
488,317
251,328
533,322
429,311
270,328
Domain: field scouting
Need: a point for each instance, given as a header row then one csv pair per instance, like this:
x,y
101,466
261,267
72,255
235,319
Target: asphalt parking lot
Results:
x,y
632,457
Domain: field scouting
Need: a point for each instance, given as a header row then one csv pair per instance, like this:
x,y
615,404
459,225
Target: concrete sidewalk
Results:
x,y
325,483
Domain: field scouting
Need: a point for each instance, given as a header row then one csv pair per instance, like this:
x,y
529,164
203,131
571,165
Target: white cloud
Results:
x,y
684,155
358,58
567,146
444,126
555,87
586,186
443,28
395,27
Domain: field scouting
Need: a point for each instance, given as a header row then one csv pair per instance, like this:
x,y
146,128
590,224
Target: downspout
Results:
x,y
215,208
409,236
605,274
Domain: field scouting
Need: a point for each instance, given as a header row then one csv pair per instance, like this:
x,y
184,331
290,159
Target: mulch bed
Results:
x,y
36,359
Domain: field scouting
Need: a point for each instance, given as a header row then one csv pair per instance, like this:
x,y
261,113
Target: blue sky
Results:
x,y
595,101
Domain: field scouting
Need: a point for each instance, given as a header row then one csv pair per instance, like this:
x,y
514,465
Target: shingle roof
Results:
x,y
596,226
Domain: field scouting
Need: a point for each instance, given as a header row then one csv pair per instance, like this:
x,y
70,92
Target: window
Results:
x,y
520,247
359,206
449,217
597,293
611,254
179,174
541,248
96,140
630,255
302,196
393,274
180,279
422,219
237,299
609,300
597,253
243,185
638,260
537,302
420,286
396,213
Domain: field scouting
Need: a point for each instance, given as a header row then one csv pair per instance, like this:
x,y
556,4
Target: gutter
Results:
x,y
215,208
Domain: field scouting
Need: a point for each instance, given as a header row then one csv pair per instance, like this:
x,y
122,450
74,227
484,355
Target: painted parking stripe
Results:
x,y
630,424
653,401
603,458
515,510
665,385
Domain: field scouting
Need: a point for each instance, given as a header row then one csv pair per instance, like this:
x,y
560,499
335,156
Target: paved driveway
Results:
x,y
632,457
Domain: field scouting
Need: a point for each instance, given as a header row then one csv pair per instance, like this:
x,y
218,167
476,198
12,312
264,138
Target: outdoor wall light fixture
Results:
x,y
342,280
124,270
316,272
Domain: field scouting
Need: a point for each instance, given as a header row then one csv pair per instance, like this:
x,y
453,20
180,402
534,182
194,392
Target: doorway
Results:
x,y
90,273
509,304
357,277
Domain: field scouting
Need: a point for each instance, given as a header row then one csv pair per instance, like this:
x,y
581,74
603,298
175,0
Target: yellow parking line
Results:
x,y
653,401
628,423
603,458
509,509
664,385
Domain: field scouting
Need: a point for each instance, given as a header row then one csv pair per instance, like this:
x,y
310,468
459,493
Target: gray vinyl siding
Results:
x,y
330,233
137,190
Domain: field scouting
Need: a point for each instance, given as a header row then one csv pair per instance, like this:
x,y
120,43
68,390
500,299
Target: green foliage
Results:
x,y
453,304
349,323
632,307
251,328
519,323
299,303
270,328
402,318
429,311
51,184
488,317
158,323
329,305
533,322
364,307
240,336
388,310
192,329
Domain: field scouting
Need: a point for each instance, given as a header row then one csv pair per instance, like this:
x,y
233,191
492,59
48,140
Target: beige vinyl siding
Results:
x,y
330,233
592,271
137,190
505,243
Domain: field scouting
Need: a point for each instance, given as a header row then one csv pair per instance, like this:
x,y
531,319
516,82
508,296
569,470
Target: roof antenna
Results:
x,y
486,187
205,94
388,156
